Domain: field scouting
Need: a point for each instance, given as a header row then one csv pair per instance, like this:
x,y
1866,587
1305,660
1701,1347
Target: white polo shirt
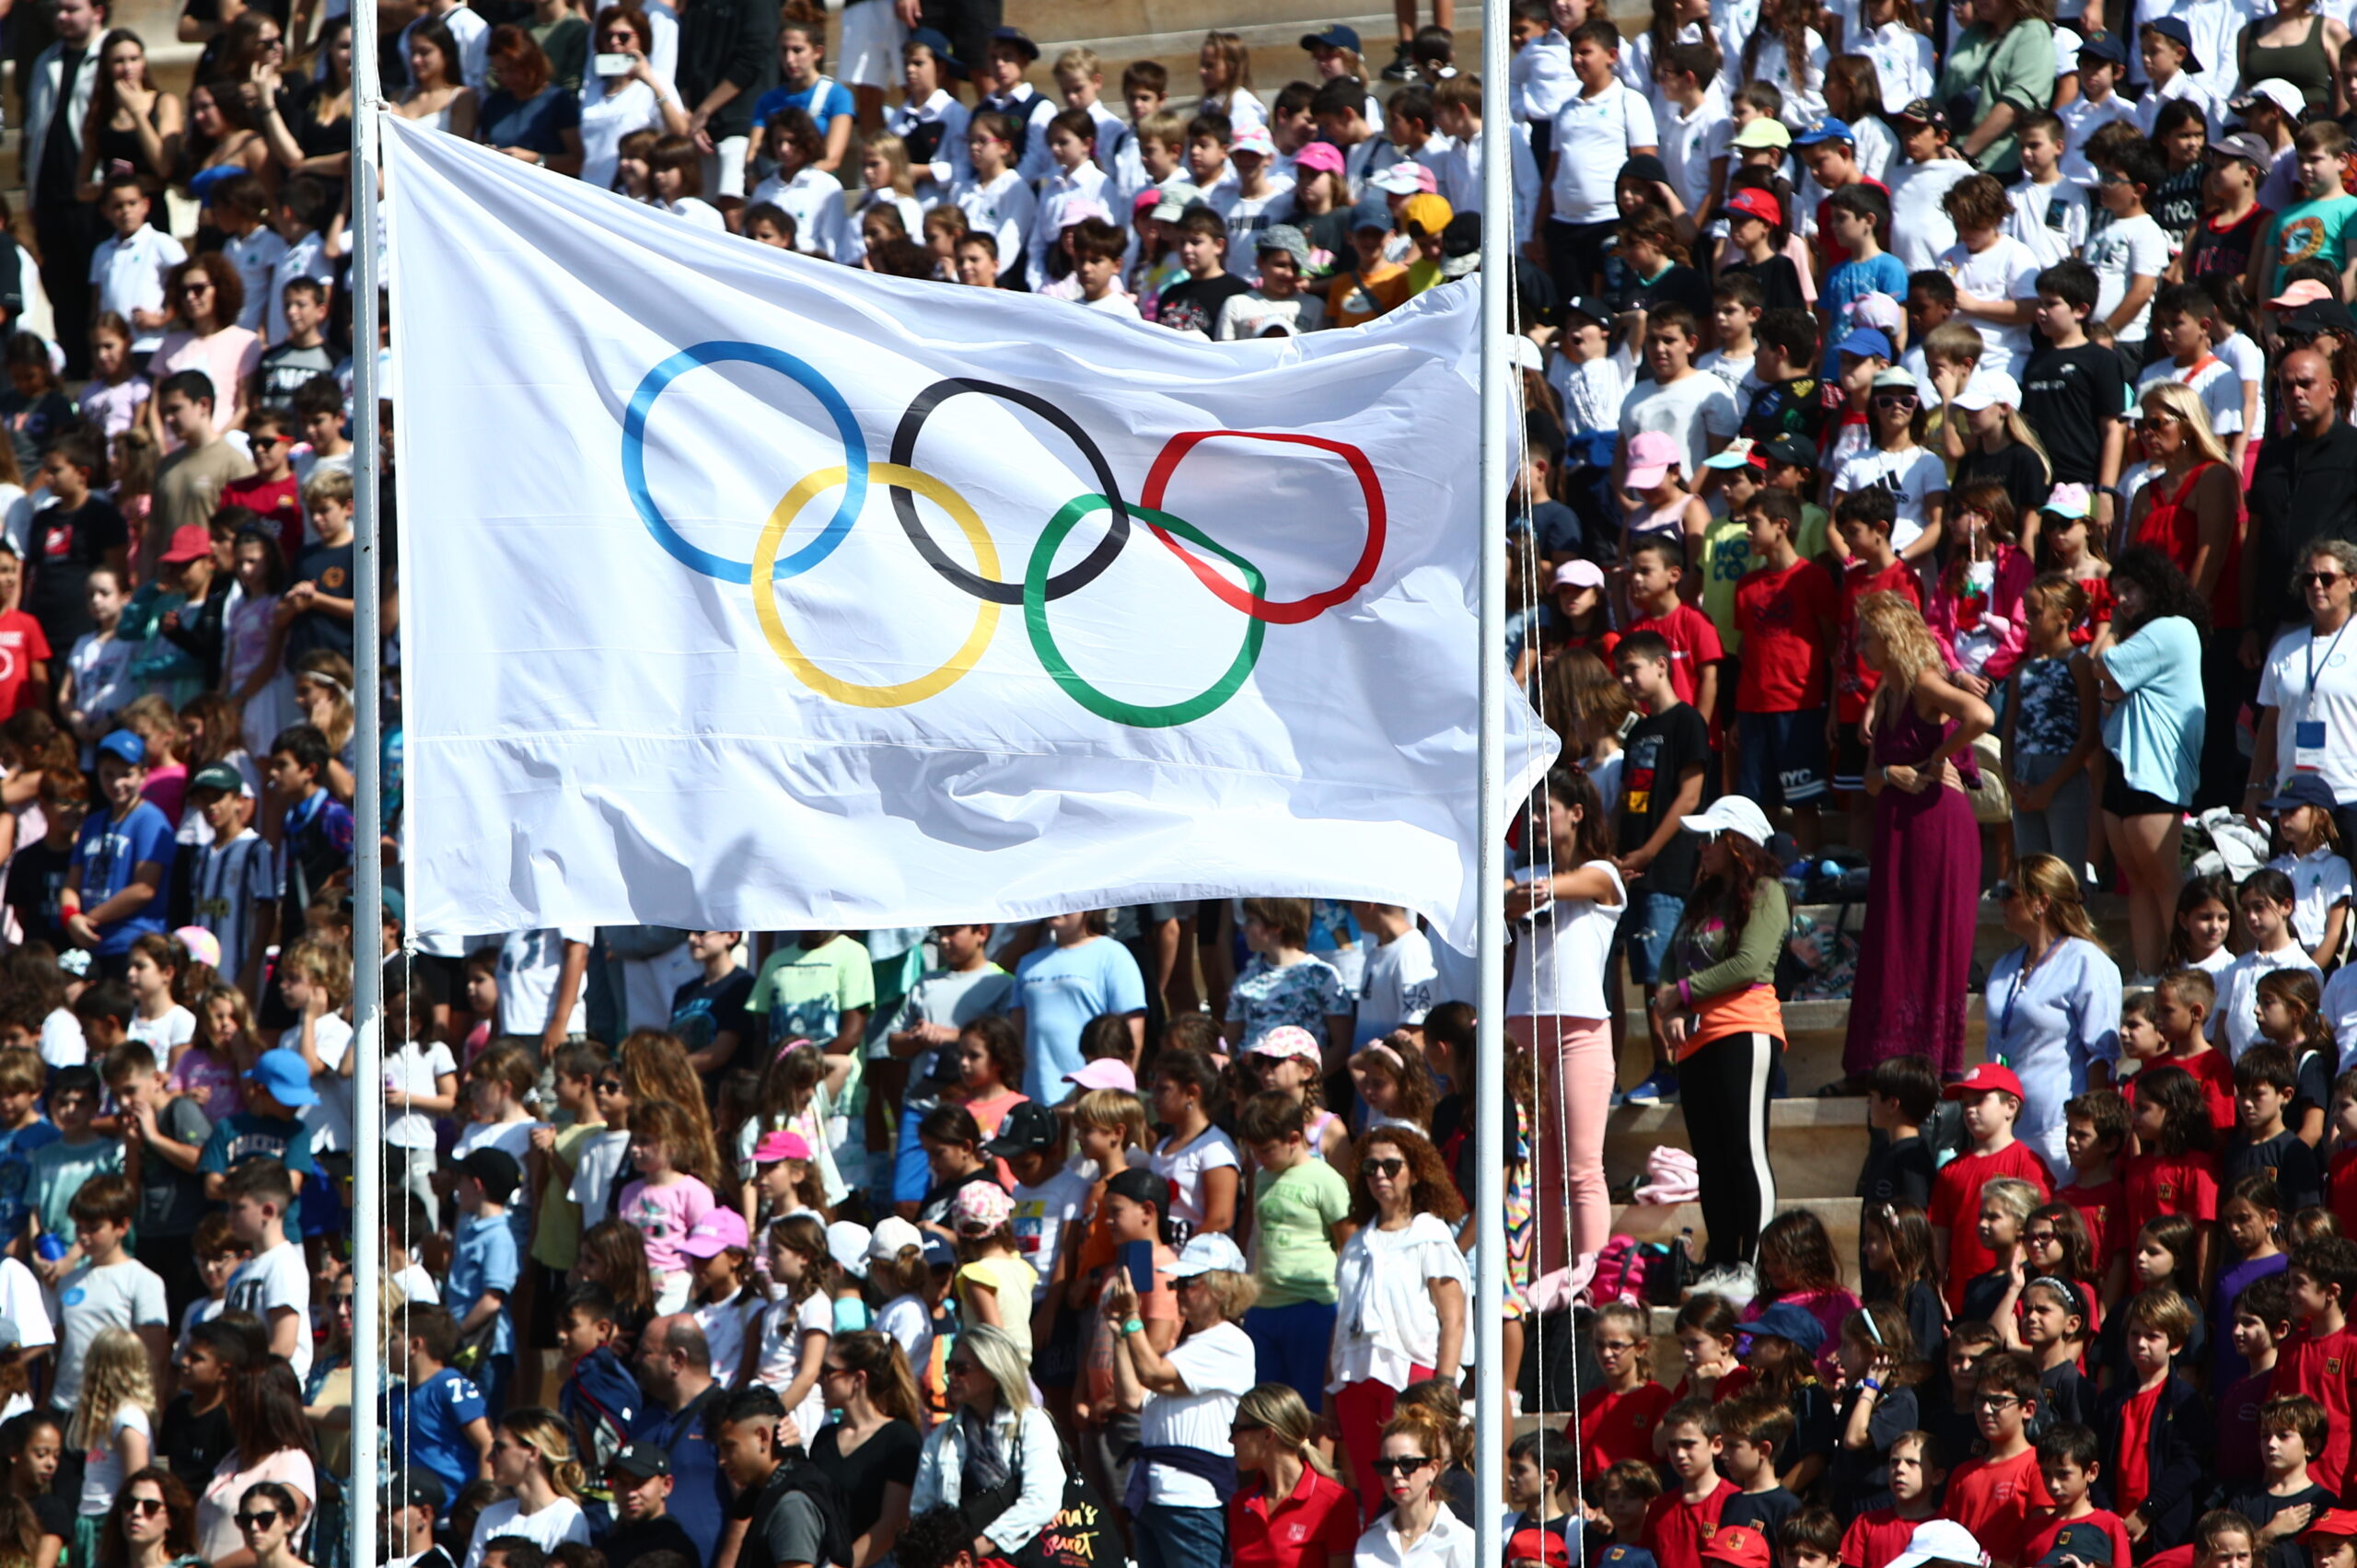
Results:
x,y
1593,136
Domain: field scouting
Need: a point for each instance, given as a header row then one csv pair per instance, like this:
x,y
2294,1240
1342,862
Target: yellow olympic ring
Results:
x,y
856,693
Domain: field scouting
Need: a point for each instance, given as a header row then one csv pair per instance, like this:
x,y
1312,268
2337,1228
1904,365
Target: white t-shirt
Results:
x,y
1695,410
2083,117
102,1462
268,1280
529,964
330,1119
128,1295
1042,1212
175,1028
1217,1363
1901,56
2235,1027
413,1070
62,1044
906,1319
2213,380
1912,475
601,1160
2319,880
782,1326
23,1303
1003,208
2007,270
2051,220
2249,363
1690,141
1401,987
129,275
814,200
256,256
724,1324
1559,965
2131,248
1920,230
1593,136
417,1286
2308,679
554,1526
1184,1169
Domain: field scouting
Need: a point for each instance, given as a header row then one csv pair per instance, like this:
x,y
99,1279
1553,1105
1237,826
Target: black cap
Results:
x,y
1140,1185
1463,236
1028,1128
1924,111
418,1489
1018,40
2105,46
1648,168
643,1461
1798,450
497,1170
2317,318
1595,311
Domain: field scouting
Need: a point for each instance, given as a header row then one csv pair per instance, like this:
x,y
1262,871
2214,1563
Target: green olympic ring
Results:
x,y
1043,642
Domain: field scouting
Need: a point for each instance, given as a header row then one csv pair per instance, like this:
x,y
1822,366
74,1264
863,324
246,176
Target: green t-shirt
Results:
x,y
2310,231
1292,1216
62,1170
556,1218
804,993
1986,69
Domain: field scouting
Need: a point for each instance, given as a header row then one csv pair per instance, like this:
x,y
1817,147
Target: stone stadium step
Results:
x,y
1816,1146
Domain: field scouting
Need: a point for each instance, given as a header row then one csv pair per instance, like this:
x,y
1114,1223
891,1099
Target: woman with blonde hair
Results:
x,y
1923,896
2186,509
531,1456
1282,1474
997,1456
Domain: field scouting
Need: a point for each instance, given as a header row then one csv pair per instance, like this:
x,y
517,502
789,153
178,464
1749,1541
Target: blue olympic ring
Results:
x,y
642,404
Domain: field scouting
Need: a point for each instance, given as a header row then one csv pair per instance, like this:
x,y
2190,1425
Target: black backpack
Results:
x,y
798,1474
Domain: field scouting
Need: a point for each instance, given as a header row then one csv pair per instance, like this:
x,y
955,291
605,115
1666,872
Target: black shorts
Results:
x,y
1849,759
2121,801
1781,760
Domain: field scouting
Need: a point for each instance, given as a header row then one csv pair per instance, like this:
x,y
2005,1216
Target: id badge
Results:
x,y
2308,744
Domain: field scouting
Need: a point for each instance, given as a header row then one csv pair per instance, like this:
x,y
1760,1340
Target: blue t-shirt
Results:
x,y
108,852
2157,733
1850,282
430,1429
537,125
242,1135
1059,989
483,1261
822,100
699,1498
16,1174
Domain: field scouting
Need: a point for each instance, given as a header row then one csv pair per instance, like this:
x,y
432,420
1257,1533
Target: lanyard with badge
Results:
x,y
2308,734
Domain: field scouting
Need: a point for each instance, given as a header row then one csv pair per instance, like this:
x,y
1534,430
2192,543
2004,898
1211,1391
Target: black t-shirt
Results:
x,y
702,1010
2284,1160
1656,753
172,1200
1557,530
2212,252
34,877
65,546
934,1210
330,566
2260,1507
1780,287
633,1540
1898,1171
861,1475
1192,304
193,1445
1674,284
1763,1510
2176,205
2068,395
2016,468
285,367
1786,407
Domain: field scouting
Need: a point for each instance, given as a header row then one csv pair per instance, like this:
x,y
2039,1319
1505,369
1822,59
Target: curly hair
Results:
x,y
1429,1189
2167,592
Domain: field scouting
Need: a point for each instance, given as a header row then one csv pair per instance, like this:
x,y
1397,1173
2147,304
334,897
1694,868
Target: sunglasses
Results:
x,y
259,1519
1895,400
145,1507
606,1086
2154,421
1240,1428
2320,579
1406,1464
957,1368
1385,1167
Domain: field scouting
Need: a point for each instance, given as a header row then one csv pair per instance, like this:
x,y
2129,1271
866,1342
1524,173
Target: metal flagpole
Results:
x,y
368,683
1490,1417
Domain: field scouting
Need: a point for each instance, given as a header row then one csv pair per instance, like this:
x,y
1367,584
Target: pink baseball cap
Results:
x,y
1289,1040
1105,1073
1252,139
782,1144
717,1233
1651,457
1320,156
2307,291
980,1207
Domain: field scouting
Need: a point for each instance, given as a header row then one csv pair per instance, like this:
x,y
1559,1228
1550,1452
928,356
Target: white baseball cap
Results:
x,y
1941,1541
1202,1253
1987,388
1731,814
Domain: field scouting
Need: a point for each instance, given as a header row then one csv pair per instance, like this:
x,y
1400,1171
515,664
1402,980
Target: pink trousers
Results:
x,y
1572,1058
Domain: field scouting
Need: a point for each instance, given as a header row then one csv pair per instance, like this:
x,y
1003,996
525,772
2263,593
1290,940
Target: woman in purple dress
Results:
x,y
1915,952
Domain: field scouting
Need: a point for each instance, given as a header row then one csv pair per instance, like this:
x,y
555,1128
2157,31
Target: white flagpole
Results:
x,y
1490,1420
367,915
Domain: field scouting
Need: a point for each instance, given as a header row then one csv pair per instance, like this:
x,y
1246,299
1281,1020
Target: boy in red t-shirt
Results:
x,y
2156,1432
1993,1496
2340,1190
1678,1522
1865,519
1790,614
24,651
2096,1130
271,492
2182,1003
2320,1358
1656,567
1881,1534
2066,1463
1993,1101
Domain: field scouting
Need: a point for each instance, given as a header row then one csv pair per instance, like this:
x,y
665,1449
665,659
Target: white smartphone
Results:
x,y
615,64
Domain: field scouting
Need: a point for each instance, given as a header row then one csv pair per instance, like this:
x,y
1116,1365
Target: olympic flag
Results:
x,y
740,590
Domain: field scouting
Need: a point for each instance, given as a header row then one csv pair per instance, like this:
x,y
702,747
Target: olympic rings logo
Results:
x,y
984,582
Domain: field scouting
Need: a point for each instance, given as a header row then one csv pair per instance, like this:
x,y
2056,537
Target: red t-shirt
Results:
x,y
1728,1387
2342,1182
2322,1368
1994,1499
21,642
1875,1538
2131,1477
1675,1529
1857,683
1789,620
1317,1520
1956,1207
2045,1527
2213,1072
277,502
2103,1209
2171,1184
1693,643
1613,1427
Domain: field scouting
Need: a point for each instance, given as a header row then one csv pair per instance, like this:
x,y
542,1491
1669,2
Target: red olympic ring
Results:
x,y
1292,613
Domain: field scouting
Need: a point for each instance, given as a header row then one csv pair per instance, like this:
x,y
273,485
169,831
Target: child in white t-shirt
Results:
x,y
157,1021
316,982
114,1420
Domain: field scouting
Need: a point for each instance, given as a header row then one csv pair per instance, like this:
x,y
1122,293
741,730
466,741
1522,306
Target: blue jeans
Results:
x,y
1650,923
1182,1537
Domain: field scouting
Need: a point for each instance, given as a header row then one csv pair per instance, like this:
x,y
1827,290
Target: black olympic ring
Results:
x,y
1070,580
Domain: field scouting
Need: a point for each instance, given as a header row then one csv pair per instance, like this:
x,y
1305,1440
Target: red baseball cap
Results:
x,y
190,541
2335,1523
1538,1546
1761,204
1985,1076
1738,1544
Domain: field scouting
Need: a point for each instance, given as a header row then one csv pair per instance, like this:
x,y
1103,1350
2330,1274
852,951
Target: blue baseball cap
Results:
x,y
126,746
1826,129
1867,341
281,1074
933,39
2105,46
2302,789
1789,1321
1335,36
2175,30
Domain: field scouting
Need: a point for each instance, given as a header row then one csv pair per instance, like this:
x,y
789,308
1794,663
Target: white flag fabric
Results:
x,y
740,590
